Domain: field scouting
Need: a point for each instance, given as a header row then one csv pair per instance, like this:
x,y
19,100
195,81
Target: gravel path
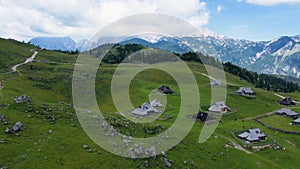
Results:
x,y
28,60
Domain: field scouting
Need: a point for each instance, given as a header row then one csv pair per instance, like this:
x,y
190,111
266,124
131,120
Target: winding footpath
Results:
x,y
28,60
15,68
216,79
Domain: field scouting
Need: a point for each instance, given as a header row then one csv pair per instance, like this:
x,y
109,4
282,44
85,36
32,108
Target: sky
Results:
x,y
81,19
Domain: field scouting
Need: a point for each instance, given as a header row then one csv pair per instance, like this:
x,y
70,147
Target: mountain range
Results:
x,y
54,43
279,56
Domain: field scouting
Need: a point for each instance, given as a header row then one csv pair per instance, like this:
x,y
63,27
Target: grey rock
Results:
x,y
7,130
147,164
167,163
17,127
22,99
3,140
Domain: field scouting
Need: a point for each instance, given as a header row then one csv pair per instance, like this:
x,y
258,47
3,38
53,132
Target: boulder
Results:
x,y
167,163
3,140
17,127
7,130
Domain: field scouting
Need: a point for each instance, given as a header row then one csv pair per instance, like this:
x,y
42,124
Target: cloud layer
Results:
x,y
23,19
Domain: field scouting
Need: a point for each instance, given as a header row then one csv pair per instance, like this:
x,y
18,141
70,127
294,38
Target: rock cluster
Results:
x,y
22,99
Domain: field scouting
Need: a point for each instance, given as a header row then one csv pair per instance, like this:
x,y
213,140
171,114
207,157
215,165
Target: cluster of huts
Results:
x,y
221,107
255,135
151,107
148,108
289,113
251,135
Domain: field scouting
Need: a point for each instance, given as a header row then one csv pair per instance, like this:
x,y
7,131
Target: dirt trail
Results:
x,y
231,84
14,68
279,95
236,145
30,59
239,147
290,142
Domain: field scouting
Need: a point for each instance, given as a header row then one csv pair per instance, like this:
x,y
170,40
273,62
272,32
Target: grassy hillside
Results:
x,y
48,143
12,52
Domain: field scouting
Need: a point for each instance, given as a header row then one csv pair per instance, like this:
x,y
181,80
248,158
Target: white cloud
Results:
x,y
270,2
24,19
220,8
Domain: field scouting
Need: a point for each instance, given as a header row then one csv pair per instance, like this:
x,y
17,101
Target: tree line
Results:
x,y
264,81
116,53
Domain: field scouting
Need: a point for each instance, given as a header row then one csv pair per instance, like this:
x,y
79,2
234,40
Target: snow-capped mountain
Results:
x,y
278,56
54,43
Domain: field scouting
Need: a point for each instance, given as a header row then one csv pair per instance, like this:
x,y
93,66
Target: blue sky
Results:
x,y
254,21
243,19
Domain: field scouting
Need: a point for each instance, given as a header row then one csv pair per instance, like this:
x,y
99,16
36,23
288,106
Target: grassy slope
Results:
x,y
13,52
50,83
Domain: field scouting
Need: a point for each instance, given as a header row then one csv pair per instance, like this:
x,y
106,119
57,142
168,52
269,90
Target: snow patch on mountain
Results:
x,y
54,43
285,50
152,38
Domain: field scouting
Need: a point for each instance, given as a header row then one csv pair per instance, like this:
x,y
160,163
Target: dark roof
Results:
x,y
287,101
165,89
202,116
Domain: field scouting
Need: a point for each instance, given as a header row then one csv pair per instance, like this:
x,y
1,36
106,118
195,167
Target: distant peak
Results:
x,y
64,43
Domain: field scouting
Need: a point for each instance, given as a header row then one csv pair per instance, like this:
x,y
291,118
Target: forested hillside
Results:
x,y
265,81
